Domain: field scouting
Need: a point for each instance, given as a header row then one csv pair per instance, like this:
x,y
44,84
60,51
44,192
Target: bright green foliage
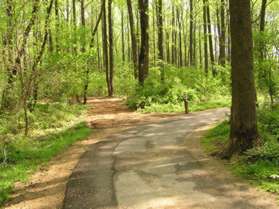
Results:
x,y
203,91
46,118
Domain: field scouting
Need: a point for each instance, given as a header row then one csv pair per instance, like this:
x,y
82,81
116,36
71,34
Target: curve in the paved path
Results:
x,y
159,165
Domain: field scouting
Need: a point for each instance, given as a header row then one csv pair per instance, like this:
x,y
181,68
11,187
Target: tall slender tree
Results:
x,y
222,57
133,37
144,50
209,30
160,37
205,41
111,54
191,49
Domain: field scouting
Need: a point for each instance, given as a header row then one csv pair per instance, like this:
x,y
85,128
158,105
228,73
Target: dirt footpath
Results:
x,y
46,188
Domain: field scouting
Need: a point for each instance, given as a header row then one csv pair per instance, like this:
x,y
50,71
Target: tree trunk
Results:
x,y
160,38
82,20
57,25
262,28
205,41
173,39
191,49
74,25
211,50
179,23
167,45
105,44
144,50
244,133
222,56
122,37
154,32
111,54
133,37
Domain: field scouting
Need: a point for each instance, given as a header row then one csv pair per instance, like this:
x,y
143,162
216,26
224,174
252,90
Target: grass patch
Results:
x,y
259,166
216,138
26,155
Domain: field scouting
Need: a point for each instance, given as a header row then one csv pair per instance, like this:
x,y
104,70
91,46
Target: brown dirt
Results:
x,y
46,188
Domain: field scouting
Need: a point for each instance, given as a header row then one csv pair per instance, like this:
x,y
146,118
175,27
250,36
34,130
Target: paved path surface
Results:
x,y
159,166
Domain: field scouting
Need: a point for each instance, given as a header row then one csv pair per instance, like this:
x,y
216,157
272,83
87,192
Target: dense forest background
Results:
x,y
57,53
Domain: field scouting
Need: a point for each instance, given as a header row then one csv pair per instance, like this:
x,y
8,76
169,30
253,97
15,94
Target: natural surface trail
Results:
x,y
159,165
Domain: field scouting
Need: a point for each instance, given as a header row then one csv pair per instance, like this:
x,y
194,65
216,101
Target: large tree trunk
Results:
x,y
144,50
133,37
244,133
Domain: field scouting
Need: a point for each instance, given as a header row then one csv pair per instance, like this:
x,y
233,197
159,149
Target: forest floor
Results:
x,y
138,161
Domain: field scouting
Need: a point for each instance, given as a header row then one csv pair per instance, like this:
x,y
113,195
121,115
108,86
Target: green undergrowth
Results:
x,y
53,128
26,155
260,165
202,91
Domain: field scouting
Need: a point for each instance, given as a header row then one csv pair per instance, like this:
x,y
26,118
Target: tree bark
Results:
x,y
111,54
191,49
222,56
160,38
133,37
144,50
122,36
205,41
244,134
105,44
262,27
173,39
82,20
74,25
57,25
211,50
179,23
